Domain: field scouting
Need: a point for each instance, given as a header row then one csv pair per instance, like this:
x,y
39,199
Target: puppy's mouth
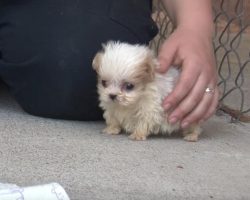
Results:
x,y
123,101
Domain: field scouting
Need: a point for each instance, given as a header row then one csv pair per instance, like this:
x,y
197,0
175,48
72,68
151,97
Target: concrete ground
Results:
x,y
94,166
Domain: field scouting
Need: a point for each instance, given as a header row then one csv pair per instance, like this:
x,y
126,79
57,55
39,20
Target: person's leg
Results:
x,y
46,50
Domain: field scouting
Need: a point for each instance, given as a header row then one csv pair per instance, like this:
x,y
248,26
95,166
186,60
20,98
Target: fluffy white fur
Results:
x,y
127,72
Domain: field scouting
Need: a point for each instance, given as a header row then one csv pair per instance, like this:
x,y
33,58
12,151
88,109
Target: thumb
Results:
x,y
166,56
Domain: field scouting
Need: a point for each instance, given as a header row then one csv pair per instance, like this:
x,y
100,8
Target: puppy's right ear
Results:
x,y
97,61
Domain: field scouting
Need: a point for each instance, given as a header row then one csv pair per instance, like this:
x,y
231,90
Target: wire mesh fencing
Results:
x,y
232,51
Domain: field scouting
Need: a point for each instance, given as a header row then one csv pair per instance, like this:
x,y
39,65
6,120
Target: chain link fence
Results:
x,y
232,50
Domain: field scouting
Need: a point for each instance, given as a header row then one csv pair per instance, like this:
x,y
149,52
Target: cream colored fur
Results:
x,y
138,111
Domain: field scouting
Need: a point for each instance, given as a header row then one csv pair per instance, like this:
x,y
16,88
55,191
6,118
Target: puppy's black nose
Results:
x,y
112,96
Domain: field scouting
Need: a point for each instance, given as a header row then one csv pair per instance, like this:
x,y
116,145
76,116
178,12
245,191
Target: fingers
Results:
x,y
207,105
205,109
191,101
166,56
183,87
213,107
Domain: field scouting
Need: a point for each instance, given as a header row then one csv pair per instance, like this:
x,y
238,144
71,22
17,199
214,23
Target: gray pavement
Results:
x,y
90,165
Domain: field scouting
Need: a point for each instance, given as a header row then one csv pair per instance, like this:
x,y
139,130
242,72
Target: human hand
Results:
x,y
192,51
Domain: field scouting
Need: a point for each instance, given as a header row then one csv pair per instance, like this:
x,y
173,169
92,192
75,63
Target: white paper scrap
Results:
x,y
52,191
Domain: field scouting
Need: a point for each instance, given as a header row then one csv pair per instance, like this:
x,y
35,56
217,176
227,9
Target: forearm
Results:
x,y
191,14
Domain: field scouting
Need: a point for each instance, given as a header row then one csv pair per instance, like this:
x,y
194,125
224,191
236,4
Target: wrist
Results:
x,y
194,15
206,31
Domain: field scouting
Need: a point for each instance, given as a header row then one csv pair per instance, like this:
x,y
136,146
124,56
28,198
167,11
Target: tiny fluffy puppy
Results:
x,y
131,93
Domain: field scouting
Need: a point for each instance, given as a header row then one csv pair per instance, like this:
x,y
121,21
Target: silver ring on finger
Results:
x,y
209,90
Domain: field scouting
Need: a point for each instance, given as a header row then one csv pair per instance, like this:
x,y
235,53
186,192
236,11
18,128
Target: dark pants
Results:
x,y
47,47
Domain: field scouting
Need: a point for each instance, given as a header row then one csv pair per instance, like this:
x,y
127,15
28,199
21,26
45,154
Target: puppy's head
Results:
x,y
124,71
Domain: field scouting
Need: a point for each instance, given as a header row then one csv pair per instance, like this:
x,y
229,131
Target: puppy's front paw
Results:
x,y
192,134
138,137
191,137
111,130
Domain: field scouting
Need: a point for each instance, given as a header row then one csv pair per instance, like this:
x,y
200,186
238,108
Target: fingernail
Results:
x,y
173,120
166,106
184,125
158,66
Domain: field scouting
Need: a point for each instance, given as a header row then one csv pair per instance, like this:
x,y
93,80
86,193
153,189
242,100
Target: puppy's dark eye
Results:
x,y
128,86
104,83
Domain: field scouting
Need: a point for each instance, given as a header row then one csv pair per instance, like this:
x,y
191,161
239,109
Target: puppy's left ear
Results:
x,y
150,66
97,61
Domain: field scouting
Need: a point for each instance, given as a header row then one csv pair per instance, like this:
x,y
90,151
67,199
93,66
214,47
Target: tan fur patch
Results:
x,y
96,61
146,70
